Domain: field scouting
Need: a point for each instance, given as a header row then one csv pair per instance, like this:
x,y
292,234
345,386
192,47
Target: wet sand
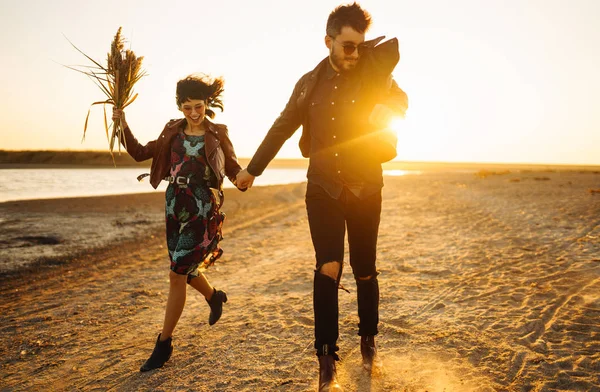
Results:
x,y
488,282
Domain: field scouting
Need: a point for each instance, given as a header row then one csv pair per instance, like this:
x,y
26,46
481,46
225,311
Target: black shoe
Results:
x,y
216,306
369,353
161,354
328,375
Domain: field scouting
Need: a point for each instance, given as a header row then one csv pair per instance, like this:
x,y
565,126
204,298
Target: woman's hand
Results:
x,y
119,114
244,180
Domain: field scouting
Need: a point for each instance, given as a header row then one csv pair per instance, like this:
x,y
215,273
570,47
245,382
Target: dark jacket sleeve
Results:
x,y
397,100
380,146
232,167
282,129
137,151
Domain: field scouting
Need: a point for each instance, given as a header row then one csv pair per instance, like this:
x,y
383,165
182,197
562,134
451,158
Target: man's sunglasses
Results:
x,y
349,47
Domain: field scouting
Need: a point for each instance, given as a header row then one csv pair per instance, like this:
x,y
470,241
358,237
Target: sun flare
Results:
x,y
396,125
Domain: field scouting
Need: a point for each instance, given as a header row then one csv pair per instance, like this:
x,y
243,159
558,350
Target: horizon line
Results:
x,y
396,161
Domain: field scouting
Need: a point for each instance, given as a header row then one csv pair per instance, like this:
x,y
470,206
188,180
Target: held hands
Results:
x,y
119,114
381,116
244,180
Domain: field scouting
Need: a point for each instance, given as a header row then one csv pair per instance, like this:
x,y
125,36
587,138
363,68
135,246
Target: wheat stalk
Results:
x,y
116,80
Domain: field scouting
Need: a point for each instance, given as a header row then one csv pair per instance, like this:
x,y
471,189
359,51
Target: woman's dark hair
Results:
x,y
348,15
200,86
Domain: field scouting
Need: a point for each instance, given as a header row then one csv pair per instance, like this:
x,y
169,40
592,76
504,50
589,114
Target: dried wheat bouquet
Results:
x,y
116,80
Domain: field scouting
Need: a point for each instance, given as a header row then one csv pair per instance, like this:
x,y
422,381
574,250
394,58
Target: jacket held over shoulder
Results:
x,y
377,87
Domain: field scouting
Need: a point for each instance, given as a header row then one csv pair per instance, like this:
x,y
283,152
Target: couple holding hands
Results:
x,y
344,106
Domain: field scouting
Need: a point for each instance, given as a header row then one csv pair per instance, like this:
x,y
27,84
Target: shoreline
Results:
x,y
303,164
54,231
72,159
390,170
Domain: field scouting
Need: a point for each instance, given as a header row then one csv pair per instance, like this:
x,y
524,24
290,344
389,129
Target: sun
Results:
x,y
397,124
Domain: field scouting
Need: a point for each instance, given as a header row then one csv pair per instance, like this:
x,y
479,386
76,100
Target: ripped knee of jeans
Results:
x,y
332,269
367,278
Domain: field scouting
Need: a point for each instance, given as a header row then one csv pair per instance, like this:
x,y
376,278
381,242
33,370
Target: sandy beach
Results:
x,y
489,282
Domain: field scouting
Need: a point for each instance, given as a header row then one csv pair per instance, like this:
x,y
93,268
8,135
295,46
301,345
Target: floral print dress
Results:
x,y
192,211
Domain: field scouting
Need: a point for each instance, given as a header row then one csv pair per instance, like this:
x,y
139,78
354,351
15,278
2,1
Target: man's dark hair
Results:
x,y
199,86
348,15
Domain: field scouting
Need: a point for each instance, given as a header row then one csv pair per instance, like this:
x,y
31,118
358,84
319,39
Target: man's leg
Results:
x,y
363,228
325,305
327,229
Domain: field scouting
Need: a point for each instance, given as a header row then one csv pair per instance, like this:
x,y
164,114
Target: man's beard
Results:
x,y
340,62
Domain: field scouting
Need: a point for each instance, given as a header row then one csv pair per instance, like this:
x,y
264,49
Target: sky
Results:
x,y
514,81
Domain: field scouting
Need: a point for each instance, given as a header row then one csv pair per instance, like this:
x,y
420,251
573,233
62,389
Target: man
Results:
x,y
342,105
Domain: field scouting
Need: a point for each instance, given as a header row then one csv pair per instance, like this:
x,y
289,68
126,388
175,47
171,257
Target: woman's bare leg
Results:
x,y
175,304
201,284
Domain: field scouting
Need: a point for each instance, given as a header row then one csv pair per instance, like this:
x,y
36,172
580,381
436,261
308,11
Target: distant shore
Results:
x,y
89,159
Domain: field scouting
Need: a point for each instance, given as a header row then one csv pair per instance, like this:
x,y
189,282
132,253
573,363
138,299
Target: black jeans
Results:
x,y
328,219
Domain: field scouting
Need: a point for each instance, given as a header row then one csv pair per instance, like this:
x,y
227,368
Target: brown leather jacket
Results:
x,y
219,151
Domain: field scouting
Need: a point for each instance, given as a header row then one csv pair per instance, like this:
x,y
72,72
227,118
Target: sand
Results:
x,y
488,283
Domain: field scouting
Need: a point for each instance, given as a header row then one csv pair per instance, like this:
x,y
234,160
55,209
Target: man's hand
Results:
x,y
244,180
381,116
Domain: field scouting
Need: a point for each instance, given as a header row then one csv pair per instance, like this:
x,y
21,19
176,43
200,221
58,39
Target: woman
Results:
x,y
194,155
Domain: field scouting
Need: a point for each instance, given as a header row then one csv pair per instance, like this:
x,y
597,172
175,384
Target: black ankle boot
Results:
x,y
216,306
368,351
328,375
161,354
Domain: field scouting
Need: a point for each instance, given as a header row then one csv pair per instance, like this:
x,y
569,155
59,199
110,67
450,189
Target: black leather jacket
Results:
x,y
377,67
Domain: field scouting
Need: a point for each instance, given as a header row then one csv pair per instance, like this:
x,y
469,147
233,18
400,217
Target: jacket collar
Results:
x,y
315,72
373,42
176,124
330,73
210,126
